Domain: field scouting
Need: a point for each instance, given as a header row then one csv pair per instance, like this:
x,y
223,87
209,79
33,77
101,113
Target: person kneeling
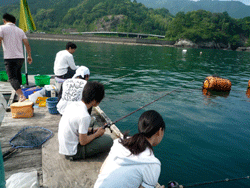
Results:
x,y
75,140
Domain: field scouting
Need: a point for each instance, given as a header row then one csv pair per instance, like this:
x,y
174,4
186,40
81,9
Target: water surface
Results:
x,y
207,137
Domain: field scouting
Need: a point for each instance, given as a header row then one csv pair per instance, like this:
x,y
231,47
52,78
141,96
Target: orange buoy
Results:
x,y
211,93
248,92
249,84
217,84
206,92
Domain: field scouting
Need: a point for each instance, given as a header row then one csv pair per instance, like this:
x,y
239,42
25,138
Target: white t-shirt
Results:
x,y
74,121
12,41
129,171
72,92
63,60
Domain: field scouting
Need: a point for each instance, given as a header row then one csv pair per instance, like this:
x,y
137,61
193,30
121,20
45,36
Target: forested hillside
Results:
x,y
60,16
86,15
235,9
204,26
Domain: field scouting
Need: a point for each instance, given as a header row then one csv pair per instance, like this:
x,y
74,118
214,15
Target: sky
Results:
x,y
247,2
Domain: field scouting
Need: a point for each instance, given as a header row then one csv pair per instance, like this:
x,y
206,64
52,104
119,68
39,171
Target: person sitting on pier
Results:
x,y
131,162
71,90
64,65
75,138
13,39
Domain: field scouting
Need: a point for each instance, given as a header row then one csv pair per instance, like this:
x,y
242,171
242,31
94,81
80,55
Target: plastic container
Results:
x,y
41,80
29,91
22,109
23,79
48,89
51,104
41,101
3,76
33,97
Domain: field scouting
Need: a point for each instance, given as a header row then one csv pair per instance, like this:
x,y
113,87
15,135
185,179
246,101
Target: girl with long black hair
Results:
x,y
131,161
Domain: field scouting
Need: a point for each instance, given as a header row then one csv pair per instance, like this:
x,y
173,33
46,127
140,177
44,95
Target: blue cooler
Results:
x,y
29,91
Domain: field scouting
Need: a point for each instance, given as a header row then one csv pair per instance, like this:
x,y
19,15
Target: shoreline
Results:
x,y
100,39
119,40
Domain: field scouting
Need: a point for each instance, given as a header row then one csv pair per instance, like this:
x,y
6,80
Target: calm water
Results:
x,y
207,137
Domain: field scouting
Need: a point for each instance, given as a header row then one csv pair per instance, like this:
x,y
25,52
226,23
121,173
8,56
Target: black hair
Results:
x,y
93,91
9,18
149,123
71,45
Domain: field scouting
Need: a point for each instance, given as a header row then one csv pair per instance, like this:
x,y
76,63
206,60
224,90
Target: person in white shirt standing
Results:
x,y
74,135
12,39
64,65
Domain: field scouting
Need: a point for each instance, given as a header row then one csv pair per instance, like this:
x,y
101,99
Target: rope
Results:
x,y
216,181
109,124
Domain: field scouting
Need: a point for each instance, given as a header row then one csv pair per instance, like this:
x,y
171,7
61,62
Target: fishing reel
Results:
x,y
104,127
174,184
108,126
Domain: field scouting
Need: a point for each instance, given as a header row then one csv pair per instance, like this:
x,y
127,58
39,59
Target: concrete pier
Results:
x,y
53,169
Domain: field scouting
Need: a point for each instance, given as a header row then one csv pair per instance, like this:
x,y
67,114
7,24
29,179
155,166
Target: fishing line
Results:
x,y
122,77
216,181
109,124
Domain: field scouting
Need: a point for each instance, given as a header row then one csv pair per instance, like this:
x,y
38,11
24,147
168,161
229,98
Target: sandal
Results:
x,y
22,98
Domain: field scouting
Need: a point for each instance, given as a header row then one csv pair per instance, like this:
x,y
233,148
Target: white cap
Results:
x,y
82,71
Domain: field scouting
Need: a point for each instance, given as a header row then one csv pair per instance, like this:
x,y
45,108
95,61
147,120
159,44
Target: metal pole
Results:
x,y
26,67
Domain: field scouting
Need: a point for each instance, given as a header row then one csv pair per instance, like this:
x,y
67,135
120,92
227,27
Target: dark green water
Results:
x,y
207,137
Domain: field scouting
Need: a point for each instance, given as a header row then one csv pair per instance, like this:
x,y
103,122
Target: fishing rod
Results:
x,y
209,182
111,123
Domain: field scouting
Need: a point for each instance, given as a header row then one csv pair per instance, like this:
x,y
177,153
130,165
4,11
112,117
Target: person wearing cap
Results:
x,y
64,65
72,88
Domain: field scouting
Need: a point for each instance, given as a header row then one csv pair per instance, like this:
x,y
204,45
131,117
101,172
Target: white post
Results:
x,y
26,67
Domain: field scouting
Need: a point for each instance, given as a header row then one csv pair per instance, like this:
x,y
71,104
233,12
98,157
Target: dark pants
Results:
x,y
13,68
69,74
98,145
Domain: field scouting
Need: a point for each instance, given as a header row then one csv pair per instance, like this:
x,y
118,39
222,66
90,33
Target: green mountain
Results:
x,y
94,15
62,16
235,9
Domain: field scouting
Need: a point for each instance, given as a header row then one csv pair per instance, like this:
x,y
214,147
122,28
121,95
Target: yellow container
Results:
x,y
22,109
41,99
42,104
